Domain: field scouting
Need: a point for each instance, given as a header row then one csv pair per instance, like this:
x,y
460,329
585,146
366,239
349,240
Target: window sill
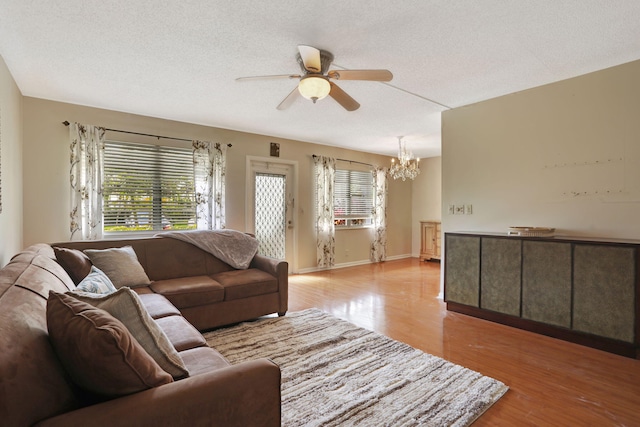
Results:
x,y
130,234
355,227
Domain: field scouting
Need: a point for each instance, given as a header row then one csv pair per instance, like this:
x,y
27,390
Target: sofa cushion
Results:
x,y
157,305
42,275
98,351
201,360
169,259
240,284
181,333
121,265
33,383
125,305
76,263
96,282
190,291
143,290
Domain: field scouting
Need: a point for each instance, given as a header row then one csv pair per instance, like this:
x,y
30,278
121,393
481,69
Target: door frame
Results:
x,y
251,161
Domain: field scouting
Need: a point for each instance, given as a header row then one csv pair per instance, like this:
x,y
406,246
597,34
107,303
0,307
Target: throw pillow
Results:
x,y
98,351
121,265
125,305
75,263
96,283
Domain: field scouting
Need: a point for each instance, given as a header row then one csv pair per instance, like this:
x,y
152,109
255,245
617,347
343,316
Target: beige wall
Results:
x,y
426,198
46,182
564,155
10,165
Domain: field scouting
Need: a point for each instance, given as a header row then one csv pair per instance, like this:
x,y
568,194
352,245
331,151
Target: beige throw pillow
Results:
x,y
125,305
121,265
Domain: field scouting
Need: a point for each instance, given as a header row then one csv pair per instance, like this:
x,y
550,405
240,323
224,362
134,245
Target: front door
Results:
x,y
271,207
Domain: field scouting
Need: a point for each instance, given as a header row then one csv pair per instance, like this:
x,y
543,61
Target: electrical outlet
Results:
x,y
468,209
459,209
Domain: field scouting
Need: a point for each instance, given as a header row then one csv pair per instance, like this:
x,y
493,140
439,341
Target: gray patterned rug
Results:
x,y
335,374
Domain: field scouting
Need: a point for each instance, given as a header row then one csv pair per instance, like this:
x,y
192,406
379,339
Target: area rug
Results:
x,y
337,374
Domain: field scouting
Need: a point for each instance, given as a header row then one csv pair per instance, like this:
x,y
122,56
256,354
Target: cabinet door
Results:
x,y
462,269
500,275
438,237
546,282
428,240
604,291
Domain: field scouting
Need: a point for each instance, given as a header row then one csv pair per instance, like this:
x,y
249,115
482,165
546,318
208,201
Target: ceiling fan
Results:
x,y
315,80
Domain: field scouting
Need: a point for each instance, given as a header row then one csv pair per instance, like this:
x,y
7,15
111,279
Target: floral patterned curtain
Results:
x,y
87,160
379,241
325,228
209,166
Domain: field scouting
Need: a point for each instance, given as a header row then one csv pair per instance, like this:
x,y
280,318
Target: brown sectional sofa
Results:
x,y
208,292
190,291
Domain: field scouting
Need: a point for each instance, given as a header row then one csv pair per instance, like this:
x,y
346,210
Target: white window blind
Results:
x,y
353,198
148,188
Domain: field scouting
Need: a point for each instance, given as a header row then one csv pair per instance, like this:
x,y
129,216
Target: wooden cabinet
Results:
x,y
430,240
581,290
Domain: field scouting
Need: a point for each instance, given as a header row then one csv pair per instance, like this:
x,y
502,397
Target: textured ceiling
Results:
x,y
179,59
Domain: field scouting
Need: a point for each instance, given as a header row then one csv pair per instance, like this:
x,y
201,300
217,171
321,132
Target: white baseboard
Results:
x,y
349,264
396,257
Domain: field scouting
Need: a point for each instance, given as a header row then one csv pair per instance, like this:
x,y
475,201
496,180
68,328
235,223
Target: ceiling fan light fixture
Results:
x,y
316,80
314,87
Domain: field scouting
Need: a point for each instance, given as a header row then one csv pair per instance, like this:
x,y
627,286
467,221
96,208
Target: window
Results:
x,y
353,198
148,188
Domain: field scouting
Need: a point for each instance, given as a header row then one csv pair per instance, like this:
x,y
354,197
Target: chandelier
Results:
x,y
406,166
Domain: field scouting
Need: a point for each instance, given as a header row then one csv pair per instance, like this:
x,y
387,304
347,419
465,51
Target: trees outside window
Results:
x,y
147,188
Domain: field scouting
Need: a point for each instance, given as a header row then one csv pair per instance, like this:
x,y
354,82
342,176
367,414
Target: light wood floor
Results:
x,y
552,382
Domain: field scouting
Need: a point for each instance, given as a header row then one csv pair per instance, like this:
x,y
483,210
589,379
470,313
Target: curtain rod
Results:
x,y
351,161
66,123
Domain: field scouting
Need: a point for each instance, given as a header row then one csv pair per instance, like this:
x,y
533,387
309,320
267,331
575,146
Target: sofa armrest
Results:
x,y
279,269
245,394
272,266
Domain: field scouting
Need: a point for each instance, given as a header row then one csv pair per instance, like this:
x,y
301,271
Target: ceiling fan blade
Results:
x,y
342,98
276,76
374,75
310,58
290,99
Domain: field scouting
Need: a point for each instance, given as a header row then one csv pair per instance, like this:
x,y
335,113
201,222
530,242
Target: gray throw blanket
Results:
x,y
233,247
